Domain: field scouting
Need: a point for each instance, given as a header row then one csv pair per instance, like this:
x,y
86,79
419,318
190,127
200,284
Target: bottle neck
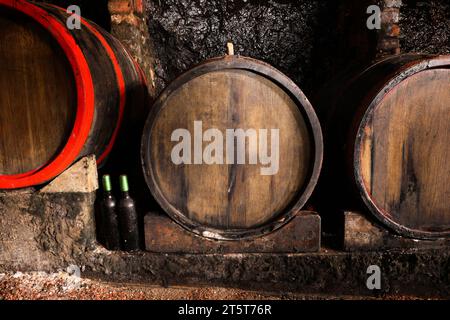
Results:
x,y
107,194
125,194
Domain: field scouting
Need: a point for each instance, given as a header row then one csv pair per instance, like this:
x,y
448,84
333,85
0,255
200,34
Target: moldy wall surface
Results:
x,y
305,39
425,26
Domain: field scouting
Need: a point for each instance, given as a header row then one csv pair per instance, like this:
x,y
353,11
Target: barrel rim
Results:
x,y
424,62
274,75
85,99
101,36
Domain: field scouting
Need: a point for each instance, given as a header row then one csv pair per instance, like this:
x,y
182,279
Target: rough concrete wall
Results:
x,y
425,26
49,228
44,231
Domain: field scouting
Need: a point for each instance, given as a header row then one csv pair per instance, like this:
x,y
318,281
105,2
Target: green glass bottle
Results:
x,y
109,221
128,219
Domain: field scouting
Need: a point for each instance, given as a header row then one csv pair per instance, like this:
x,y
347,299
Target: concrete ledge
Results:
x,y
420,273
423,273
301,234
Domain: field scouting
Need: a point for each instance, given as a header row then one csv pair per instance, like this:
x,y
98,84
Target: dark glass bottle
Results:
x,y
109,221
128,218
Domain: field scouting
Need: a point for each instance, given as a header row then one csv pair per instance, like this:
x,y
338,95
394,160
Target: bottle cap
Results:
x,y
107,183
123,183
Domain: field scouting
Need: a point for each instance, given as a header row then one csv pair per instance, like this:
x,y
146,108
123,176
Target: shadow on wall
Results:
x,y
308,40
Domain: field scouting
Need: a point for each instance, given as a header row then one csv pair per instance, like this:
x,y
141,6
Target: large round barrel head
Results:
x,y
38,98
232,148
403,149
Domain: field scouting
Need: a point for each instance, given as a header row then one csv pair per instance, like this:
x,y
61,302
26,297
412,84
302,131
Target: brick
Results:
x,y
138,6
125,6
392,30
388,44
120,6
389,16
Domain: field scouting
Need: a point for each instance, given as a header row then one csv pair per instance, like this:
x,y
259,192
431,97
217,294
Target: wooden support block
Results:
x,y
301,234
80,177
361,234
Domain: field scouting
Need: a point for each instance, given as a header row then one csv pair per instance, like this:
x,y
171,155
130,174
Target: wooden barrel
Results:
x,y
63,92
390,126
232,149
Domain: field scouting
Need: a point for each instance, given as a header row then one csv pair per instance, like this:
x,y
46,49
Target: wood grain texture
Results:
x,y
405,151
387,140
231,199
37,97
63,93
231,196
